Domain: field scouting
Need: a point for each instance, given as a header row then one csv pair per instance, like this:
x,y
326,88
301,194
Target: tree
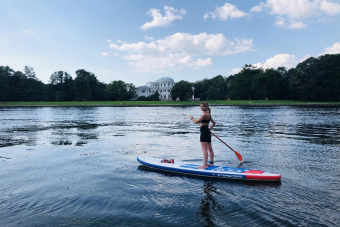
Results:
x,y
154,97
16,93
59,77
142,98
83,90
5,73
182,90
317,79
209,89
62,83
59,96
121,91
32,90
241,84
271,83
29,73
88,87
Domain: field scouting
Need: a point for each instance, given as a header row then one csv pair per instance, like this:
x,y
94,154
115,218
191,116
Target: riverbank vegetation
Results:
x,y
315,79
173,103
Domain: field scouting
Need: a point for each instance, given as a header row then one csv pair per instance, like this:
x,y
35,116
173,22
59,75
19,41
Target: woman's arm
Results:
x,y
196,121
213,123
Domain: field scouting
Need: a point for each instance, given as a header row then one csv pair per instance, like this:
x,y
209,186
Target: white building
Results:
x,y
163,86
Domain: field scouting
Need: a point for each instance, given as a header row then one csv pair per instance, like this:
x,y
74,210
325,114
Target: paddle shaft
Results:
x,y
238,155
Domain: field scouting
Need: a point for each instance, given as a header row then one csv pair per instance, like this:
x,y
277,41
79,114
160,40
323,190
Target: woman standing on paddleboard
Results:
x,y
205,137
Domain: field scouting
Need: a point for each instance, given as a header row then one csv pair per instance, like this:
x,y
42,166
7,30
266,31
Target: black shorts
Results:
x,y
205,134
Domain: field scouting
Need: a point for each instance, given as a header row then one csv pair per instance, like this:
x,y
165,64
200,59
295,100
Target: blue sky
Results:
x,y
139,41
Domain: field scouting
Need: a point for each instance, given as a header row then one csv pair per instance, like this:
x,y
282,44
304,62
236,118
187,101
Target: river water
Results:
x,y
77,166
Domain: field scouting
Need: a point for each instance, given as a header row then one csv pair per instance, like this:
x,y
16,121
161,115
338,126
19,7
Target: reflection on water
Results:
x,y
77,166
209,204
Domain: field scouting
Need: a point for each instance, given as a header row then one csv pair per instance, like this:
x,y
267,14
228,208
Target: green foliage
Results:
x,y
59,96
142,98
211,89
271,83
315,79
83,90
120,91
242,84
62,82
5,73
182,90
29,73
154,97
16,86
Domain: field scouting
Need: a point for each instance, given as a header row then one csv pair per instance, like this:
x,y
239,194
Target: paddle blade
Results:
x,y
238,155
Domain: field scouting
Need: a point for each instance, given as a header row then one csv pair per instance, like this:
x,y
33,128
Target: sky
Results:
x,y
141,41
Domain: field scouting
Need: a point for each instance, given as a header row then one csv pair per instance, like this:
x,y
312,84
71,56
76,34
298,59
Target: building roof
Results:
x,y
143,87
165,79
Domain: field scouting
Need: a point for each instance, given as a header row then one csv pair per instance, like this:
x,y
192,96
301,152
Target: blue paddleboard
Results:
x,y
213,171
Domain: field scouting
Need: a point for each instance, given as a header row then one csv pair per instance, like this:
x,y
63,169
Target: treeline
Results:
x,y
315,79
18,86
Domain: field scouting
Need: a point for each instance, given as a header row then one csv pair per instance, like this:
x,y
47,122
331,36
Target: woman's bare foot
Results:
x,y
210,164
203,167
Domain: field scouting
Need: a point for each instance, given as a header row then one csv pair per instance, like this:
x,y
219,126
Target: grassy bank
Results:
x,y
166,103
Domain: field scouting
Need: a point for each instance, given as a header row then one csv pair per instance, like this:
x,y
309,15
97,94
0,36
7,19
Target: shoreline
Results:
x,y
183,105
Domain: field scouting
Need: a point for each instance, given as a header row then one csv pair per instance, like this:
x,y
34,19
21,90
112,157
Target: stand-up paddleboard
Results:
x,y
213,171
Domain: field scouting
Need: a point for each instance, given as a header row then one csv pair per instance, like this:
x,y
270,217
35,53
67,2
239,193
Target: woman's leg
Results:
x,y
205,155
211,153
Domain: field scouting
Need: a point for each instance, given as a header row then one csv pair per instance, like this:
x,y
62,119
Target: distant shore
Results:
x,y
167,103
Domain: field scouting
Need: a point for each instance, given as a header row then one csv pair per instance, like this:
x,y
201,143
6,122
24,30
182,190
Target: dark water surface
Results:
x,y
77,166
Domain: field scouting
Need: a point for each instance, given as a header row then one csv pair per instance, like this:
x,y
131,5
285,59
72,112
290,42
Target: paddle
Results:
x,y
238,155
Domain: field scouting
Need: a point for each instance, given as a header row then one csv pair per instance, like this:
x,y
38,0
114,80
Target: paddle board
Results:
x,y
212,171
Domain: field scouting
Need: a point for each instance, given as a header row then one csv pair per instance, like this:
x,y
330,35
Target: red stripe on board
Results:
x,y
261,177
254,171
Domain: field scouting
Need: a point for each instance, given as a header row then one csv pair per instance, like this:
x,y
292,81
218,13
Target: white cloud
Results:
x,y
279,60
296,25
330,8
225,12
105,54
235,71
288,60
203,62
114,46
335,49
171,14
109,40
180,50
291,14
149,38
258,8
